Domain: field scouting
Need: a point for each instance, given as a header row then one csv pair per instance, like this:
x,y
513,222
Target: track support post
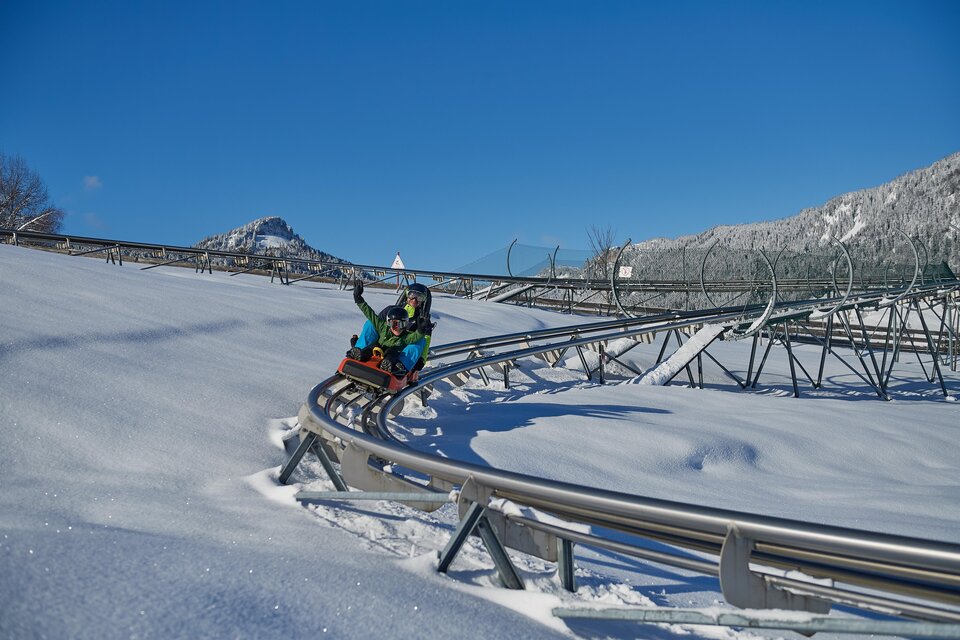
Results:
x,y
566,568
743,588
475,520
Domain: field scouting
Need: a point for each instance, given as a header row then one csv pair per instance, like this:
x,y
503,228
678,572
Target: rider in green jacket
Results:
x,y
401,346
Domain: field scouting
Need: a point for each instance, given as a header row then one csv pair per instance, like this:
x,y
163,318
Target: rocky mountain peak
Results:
x,y
269,235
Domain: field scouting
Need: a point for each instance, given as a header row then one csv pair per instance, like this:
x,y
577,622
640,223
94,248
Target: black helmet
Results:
x,y
419,291
397,313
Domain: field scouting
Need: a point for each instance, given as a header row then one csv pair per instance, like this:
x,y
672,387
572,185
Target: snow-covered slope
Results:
x,y
138,460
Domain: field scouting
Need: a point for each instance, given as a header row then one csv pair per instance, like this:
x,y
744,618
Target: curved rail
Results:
x,y
896,570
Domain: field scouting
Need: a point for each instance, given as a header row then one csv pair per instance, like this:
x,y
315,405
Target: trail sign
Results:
x,y
397,262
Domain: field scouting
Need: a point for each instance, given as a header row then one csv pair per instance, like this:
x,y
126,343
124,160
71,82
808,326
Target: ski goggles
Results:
x,y
416,295
396,324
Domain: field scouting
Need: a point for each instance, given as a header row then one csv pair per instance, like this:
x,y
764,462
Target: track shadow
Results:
x,y
460,427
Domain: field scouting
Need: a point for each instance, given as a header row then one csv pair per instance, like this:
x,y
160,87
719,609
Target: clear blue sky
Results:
x,y
446,129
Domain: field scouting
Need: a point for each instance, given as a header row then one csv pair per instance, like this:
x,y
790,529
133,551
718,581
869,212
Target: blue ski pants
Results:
x,y
409,356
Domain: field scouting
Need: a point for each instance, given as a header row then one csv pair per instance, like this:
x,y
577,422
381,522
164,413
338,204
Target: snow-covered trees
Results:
x,y
24,202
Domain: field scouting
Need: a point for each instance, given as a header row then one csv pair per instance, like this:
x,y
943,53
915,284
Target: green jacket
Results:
x,y
387,339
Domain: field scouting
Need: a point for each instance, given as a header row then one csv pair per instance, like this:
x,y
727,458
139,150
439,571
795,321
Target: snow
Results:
x,y
270,242
143,414
858,224
682,356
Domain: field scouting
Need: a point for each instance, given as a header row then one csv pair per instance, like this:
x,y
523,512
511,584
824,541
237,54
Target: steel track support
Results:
x,y
753,354
624,364
790,359
700,368
933,352
203,263
940,331
763,361
913,347
799,363
828,338
866,339
508,573
332,473
247,270
163,264
863,363
693,383
843,362
899,329
474,519
954,324
663,347
886,346
686,367
583,361
566,569
279,270
305,444
725,370
483,374
743,588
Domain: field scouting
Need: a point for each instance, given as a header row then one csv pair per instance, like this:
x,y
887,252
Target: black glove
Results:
x,y
392,365
358,291
424,325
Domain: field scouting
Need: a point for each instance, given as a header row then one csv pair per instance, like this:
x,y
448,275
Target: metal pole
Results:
x,y
565,565
826,349
459,537
294,460
753,354
793,370
936,360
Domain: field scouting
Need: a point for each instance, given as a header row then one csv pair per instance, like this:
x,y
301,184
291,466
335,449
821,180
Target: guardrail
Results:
x,y
605,296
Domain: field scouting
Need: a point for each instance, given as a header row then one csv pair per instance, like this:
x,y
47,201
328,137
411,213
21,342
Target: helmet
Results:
x,y
397,313
419,291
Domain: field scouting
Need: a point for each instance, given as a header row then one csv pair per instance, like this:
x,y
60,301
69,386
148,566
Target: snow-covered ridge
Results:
x,y
922,203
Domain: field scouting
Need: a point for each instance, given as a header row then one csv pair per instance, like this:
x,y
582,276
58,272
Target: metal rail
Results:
x,y
906,576
580,295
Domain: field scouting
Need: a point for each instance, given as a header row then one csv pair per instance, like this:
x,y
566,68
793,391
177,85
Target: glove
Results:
x,y
358,291
392,365
424,325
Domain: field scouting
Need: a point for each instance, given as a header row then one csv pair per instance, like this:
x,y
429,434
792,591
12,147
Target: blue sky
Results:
x,y
446,129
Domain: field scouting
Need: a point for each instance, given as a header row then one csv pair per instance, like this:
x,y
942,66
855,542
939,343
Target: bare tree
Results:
x,y
24,201
601,244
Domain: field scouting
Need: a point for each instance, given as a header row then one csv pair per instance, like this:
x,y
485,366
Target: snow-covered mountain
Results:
x,y
923,203
270,235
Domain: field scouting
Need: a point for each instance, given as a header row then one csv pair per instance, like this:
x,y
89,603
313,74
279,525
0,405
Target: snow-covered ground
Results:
x,y
138,460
